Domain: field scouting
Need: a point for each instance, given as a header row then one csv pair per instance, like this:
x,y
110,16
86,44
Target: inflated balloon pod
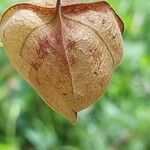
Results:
x,y
67,50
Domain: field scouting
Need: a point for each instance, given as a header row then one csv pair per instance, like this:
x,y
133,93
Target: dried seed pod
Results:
x,y
66,50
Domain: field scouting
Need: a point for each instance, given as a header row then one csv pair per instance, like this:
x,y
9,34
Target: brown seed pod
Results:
x,y
67,50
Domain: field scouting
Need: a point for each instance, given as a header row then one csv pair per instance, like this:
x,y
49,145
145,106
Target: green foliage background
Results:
x,y
119,121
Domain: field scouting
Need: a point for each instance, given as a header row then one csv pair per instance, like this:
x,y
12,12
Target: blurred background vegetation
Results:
x,y
119,121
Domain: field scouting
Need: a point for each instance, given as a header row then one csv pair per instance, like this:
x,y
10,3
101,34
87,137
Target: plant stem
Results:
x,y
58,4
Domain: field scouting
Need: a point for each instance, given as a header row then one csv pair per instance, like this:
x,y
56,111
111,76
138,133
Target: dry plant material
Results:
x,y
67,50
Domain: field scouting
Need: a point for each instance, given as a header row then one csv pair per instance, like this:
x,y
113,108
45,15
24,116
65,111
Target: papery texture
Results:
x,y
67,53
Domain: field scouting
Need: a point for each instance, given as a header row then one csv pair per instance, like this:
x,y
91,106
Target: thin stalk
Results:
x,y
58,4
